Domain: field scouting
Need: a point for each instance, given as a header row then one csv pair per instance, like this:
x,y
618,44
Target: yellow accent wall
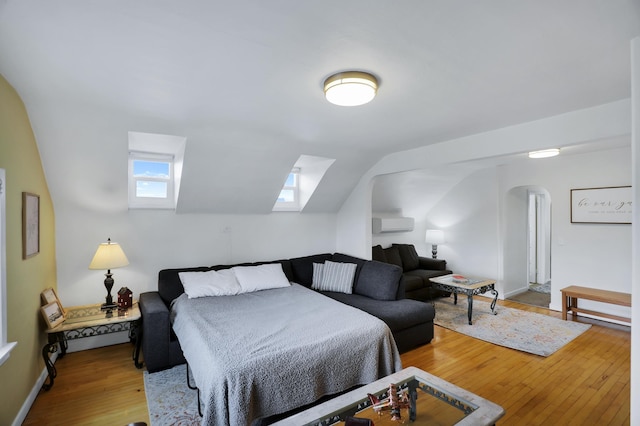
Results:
x,y
20,158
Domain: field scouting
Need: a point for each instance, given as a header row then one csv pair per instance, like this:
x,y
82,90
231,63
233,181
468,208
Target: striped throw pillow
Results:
x,y
336,277
316,281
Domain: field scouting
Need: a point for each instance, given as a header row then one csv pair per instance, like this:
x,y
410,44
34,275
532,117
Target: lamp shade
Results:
x,y
350,88
109,256
434,236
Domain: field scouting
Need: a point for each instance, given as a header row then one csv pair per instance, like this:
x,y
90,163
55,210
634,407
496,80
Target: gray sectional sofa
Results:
x,y
377,290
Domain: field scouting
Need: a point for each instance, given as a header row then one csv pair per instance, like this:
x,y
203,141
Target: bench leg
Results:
x,y
564,307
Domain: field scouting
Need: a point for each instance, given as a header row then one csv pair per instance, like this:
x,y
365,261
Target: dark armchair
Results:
x,y
416,270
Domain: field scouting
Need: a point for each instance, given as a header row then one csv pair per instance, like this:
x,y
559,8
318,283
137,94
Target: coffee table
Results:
x,y
433,401
471,287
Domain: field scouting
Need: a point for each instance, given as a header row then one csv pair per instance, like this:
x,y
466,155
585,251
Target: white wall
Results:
x,y
466,212
606,121
592,255
153,240
484,218
635,302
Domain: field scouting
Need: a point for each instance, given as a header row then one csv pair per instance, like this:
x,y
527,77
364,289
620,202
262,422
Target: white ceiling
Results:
x,y
242,81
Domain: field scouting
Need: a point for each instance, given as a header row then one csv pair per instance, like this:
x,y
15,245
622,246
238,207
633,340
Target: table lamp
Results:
x,y
434,237
108,256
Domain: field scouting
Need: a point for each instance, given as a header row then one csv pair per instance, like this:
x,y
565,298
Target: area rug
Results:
x,y
513,328
169,400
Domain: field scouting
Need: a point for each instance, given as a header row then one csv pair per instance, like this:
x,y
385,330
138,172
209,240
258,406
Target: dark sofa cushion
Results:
x,y
302,267
378,280
393,256
412,282
425,274
377,253
409,256
397,314
434,264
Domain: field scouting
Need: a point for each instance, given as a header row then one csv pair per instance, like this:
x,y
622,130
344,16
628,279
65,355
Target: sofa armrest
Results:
x,y
401,294
432,264
156,330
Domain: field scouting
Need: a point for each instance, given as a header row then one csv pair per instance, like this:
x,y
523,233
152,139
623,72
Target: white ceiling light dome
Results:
x,y
545,153
350,88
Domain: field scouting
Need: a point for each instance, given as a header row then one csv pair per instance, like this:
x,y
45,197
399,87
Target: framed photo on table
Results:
x,y
52,314
49,296
30,225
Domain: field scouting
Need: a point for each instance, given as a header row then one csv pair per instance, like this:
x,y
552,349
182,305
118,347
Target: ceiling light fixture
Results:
x,y
351,88
545,153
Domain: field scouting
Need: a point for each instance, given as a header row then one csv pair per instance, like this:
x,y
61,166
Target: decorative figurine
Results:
x,y
125,298
393,403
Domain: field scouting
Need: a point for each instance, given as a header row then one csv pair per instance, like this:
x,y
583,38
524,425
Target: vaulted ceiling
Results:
x,y
242,81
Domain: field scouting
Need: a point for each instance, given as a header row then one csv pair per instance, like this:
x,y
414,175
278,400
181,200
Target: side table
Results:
x,y
86,321
471,287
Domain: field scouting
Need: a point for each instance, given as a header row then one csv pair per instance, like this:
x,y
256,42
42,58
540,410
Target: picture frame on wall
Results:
x,y
52,314
601,205
30,225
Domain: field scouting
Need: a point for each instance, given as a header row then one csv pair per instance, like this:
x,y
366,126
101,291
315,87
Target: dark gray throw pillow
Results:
x,y
378,280
377,253
409,256
393,256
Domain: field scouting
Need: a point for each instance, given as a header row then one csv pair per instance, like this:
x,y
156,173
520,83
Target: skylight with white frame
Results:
x,y
155,169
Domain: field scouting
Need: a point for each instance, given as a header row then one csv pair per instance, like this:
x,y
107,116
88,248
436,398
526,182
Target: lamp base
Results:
x,y
108,306
434,251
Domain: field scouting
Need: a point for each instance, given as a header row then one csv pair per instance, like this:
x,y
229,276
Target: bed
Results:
x,y
262,353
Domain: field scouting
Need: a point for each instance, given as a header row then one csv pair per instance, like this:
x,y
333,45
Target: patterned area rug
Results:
x,y
169,400
513,328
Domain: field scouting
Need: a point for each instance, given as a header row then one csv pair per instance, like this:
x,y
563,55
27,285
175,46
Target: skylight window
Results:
x,y
152,178
301,182
155,165
289,198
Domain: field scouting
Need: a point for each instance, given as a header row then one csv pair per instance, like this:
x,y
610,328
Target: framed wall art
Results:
x,y
30,225
601,205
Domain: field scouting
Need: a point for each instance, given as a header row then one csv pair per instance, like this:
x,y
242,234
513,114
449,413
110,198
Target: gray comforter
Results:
x,y
258,354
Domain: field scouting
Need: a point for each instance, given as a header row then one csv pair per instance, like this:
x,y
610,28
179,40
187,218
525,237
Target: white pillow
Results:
x,y
260,277
209,283
317,275
337,277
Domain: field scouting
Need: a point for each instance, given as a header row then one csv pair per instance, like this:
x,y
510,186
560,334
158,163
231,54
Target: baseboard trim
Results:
x,y
26,406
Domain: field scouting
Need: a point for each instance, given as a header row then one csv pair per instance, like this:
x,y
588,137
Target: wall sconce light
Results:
x,y
108,256
434,237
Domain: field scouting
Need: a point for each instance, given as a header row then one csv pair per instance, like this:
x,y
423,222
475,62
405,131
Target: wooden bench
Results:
x,y
570,296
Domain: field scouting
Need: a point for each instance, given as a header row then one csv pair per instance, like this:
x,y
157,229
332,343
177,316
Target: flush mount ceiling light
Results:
x,y
350,88
544,153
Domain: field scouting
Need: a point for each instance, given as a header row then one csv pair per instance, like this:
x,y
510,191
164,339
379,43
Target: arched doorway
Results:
x,y
527,266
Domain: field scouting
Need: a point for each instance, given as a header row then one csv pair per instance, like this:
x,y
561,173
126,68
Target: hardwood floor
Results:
x,y
585,382
95,387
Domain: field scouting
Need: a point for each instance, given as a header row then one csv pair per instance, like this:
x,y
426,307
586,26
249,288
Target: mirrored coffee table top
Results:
x,y
437,402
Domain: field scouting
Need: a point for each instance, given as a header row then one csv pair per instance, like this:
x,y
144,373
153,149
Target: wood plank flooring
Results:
x,y
585,382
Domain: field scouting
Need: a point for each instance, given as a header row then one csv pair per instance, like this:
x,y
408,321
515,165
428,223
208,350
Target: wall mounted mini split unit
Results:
x,y
391,224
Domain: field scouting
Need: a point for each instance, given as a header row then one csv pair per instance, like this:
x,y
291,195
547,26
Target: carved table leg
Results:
x,y
413,397
493,302
470,310
50,348
135,333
